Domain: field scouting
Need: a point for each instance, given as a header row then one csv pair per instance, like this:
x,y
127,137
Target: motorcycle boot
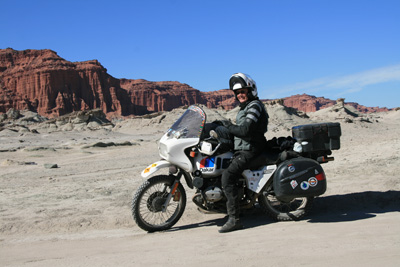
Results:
x,y
231,225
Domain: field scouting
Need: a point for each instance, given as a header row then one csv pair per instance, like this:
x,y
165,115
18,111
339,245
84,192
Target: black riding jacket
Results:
x,y
251,125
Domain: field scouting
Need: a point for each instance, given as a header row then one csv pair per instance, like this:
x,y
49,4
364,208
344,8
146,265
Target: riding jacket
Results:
x,y
251,125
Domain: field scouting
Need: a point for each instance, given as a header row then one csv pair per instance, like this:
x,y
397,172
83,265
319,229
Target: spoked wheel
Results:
x,y
291,210
148,205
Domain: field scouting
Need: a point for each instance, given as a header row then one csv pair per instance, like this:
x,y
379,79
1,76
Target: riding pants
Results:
x,y
230,178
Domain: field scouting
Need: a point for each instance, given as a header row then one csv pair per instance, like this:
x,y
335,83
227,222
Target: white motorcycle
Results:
x,y
283,182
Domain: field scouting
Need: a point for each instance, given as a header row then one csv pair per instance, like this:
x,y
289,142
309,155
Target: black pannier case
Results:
x,y
318,136
299,177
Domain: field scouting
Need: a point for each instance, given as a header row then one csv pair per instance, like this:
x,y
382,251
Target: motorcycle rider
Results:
x,y
249,142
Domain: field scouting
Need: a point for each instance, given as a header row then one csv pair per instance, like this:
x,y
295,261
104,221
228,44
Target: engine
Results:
x,y
213,194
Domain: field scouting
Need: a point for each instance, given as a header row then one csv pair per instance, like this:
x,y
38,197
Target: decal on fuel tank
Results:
x,y
207,164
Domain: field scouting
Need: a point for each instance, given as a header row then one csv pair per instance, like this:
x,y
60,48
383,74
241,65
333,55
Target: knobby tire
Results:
x,y
284,211
146,204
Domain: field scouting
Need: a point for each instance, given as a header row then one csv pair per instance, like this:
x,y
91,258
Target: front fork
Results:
x,y
174,187
172,193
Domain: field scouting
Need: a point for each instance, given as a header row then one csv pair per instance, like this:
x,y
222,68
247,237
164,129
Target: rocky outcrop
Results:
x,y
309,103
28,121
365,109
41,81
224,99
165,96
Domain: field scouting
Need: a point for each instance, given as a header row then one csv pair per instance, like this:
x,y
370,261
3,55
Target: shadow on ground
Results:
x,y
354,206
327,209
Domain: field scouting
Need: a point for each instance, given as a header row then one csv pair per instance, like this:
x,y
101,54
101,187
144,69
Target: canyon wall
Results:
x,y
42,81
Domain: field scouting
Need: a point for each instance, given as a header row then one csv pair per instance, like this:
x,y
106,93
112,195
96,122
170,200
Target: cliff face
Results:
x,y
41,81
309,103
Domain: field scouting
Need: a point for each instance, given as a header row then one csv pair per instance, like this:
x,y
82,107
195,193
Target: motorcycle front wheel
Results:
x,y
148,204
292,210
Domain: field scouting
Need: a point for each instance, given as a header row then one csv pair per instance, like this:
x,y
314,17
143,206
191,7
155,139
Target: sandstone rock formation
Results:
x,y
43,82
165,96
309,103
25,121
40,80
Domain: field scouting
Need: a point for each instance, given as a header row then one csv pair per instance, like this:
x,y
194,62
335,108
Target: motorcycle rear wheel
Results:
x,y
278,210
147,204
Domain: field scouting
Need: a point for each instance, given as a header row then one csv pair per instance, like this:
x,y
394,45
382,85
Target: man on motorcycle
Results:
x,y
249,142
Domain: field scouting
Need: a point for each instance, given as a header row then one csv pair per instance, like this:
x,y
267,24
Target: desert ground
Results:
x,y
66,190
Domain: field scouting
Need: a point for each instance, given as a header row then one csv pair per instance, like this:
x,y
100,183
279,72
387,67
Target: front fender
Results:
x,y
155,167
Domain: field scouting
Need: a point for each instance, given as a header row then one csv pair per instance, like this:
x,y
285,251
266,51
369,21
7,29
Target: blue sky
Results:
x,y
333,49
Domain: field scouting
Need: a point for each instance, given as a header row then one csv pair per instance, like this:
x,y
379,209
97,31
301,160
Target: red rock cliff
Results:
x,y
309,103
41,81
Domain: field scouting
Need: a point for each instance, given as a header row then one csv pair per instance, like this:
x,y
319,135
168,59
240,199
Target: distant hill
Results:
x,y
43,82
309,103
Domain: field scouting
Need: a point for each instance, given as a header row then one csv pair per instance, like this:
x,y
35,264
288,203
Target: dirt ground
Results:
x,y
78,214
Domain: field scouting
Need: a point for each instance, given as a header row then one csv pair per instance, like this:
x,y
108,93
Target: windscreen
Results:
x,y
190,124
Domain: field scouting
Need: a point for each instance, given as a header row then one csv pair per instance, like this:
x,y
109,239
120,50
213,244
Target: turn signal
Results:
x,y
323,159
192,153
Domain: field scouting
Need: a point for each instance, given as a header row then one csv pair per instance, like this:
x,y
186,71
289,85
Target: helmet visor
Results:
x,y
241,91
237,86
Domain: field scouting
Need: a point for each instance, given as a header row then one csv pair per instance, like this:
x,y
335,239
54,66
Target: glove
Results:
x,y
226,123
219,123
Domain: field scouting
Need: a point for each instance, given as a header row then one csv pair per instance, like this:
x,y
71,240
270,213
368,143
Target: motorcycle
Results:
x,y
283,181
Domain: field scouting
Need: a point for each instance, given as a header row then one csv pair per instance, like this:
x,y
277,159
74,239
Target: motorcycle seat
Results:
x,y
271,157
265,158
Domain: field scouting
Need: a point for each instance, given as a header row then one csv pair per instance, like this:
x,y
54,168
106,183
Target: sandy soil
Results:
x,y
78,214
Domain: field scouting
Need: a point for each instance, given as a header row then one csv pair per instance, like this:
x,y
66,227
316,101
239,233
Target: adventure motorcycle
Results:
x,y
283,180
